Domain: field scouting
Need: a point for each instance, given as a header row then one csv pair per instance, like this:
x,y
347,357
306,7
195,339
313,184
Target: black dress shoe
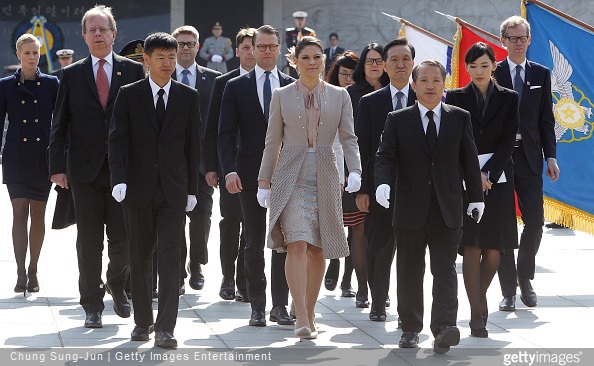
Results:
x,y
196,277
121,306
449,336
93,320
182,289
409,340
377,313
362,302
279,315
331,278
554,225
227,291
141,333
347,291
508,303
165,339
479,332
241,295
527,294
258,319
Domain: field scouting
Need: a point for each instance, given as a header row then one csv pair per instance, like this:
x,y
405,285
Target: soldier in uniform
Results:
x,y
65,59
134,50
217,50
294,35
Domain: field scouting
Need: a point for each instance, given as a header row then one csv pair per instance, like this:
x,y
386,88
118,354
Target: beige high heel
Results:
x,y
313,333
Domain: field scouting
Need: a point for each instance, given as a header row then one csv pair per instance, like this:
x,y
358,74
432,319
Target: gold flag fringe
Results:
x,y
523,7
456,57
568,216
402,31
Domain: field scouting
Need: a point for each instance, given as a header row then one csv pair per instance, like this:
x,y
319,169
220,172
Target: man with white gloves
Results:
x,y
154,157
428,149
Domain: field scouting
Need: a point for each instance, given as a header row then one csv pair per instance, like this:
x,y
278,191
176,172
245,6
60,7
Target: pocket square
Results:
x,y
535,87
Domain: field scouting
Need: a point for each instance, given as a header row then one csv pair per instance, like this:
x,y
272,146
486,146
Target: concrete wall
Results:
x,y
359,21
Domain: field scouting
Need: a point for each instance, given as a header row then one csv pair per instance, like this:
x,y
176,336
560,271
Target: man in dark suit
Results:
x,y
244,116
231,217
535,137
154,155
332,51
190,73
82,115
373,108
426,150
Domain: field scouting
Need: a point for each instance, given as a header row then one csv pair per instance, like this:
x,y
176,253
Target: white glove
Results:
x,y
263,197
480,206
191,202
354,182
119,192
216,58
382,195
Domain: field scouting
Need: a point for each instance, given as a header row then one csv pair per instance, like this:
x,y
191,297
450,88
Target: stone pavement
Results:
x,y
52,319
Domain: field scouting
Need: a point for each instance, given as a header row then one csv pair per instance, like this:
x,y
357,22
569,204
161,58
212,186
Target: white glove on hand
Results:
x,y
216,58
480,206
119,192
382,195
191,202
263,197
354,182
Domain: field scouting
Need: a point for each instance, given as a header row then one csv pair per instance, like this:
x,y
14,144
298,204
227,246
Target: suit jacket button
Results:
x,y
38,139
36,120
35,101
25,139
482,132
22,102
24,121
429,183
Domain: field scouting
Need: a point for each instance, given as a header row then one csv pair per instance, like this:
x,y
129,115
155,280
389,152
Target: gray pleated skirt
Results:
x,y
299,218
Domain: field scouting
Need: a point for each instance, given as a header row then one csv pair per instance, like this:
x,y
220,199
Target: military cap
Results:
x,y
65,53
133,49
217,26
300,14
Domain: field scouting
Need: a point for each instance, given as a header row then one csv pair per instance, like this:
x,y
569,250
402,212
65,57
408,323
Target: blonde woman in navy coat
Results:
x,y
28,97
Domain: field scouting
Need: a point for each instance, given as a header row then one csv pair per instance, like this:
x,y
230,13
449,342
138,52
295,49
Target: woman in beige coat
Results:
x,y
299,178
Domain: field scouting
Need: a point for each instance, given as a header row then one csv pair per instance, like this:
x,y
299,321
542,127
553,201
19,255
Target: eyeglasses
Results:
x,y
514,39
102,30
371,61
263,47
346,75
188,44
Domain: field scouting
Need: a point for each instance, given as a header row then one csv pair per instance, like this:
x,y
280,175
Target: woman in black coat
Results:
x,y
494,112
28,97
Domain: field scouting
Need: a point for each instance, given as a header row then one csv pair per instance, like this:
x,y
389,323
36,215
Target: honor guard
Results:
x,y
217,50
65,59
294,35
134,50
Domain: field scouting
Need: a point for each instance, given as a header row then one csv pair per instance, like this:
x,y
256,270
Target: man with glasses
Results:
x,y
242,129
188,72
332,51
232,244
535,138
82,115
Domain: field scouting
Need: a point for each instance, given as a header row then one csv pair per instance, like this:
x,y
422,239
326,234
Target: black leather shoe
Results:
x,y
258,319
165,339
93,320
182,289
196,277
347,292
508,303
362,302
409,340
527,294
449,336
554,225
377,313
121,306
241,295
479,332
227,291
279,315
331,278
141,333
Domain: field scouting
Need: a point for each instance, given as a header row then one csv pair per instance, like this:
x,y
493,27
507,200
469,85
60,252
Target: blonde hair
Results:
x,y
186,29
99,10
512,22
26,38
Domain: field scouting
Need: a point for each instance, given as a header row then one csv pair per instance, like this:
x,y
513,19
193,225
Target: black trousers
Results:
x,y
155,228
254,219
199,229
528,186
97,211
232,241
410,268
379,254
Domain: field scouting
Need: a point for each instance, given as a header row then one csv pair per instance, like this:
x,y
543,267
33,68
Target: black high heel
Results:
x,y
21,285
33,284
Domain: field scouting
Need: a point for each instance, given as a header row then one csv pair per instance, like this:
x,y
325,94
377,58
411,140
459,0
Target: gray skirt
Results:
x,y
299,219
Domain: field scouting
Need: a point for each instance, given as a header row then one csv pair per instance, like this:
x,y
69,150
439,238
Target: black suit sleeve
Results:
x,y
546,124
118,138
228,130
387,153
363,131
469,162
212,124
59,130
192,147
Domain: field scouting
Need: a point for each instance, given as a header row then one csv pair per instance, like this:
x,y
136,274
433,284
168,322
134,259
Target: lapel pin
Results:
x,y
528,83
119,73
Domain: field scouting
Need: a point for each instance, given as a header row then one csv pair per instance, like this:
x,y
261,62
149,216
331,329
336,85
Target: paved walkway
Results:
x,y
52,319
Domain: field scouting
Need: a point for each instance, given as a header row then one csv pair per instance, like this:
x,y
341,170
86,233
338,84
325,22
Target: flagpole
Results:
x,y
417,28
475,28
561,14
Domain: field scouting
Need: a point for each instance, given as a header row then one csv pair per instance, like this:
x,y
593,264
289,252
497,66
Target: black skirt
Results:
x,y
33,191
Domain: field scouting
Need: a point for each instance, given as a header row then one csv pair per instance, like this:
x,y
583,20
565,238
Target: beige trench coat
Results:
x,y
284,154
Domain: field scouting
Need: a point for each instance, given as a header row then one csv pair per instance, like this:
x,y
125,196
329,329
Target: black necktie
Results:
x,y
399,96
431,132
267,93
518,82
160,108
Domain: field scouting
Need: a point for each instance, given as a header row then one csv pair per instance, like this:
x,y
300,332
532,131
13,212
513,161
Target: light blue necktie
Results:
x,y
267,95
185,79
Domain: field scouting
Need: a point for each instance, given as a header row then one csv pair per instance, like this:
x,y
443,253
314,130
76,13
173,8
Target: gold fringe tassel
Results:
x,y
568,216
523,9
402,31
456,58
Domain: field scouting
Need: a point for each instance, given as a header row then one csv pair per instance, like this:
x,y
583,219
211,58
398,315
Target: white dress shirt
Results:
x,y
512,70
107,66
261,77
403,100
155,89
436,117
191,75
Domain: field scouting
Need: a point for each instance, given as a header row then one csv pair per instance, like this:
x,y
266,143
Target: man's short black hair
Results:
x,y
333,34
398,42
159,41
